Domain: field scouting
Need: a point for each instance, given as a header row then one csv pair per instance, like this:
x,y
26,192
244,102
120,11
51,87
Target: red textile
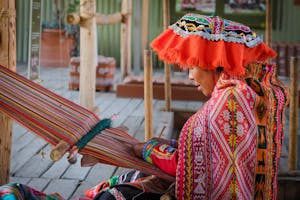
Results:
x,y
165,157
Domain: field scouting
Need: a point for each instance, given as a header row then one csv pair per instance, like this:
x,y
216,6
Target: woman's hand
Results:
x,y
138,149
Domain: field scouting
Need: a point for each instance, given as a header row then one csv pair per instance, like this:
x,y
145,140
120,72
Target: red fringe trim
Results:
x,y
197,51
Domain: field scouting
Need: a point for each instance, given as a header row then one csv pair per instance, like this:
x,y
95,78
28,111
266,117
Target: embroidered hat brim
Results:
x,y
211,42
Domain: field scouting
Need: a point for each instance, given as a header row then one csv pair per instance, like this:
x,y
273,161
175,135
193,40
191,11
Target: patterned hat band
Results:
x,y
215,28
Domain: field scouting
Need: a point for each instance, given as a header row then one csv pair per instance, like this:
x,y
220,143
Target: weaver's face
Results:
x,y
203,79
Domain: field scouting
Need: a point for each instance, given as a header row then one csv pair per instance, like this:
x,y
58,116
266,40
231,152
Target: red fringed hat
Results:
x,y
211,42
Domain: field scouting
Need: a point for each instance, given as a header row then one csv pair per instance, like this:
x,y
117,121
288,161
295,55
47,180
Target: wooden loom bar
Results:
x,y
293,120
167,67
148,94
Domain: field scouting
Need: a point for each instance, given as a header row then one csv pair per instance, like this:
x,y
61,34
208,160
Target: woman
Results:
x,y
221,153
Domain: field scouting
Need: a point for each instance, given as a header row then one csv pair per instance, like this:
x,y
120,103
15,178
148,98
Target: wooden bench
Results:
x,y
182,89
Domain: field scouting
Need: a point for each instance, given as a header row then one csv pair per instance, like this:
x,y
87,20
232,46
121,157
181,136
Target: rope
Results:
x,y
100,126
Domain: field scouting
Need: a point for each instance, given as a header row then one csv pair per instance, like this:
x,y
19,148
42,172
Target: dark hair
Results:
x,y
219,70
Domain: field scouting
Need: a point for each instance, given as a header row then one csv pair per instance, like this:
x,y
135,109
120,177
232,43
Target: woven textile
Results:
x,y
55,118
15,191
230,148
269,109
130,184
217,145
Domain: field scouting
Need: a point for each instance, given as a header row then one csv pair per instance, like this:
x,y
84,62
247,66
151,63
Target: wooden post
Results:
x,y
126,38
129,24
145,22
137,55
293,124
148,94
88,54
8,59
268,33
167,67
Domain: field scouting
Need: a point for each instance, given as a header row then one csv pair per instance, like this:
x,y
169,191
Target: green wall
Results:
x,y
285,16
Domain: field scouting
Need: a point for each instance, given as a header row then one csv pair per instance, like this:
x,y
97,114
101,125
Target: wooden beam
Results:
x,y
167,67
128,21
137,53
268,31
148,94
74,18
145,23
293,125
88,55
8,59
126,38
110,19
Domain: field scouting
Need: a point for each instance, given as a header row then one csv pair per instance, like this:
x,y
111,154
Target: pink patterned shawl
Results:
x,y
217,145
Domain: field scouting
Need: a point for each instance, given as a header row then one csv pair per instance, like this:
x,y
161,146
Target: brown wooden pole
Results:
x,y
88,55
8,59
148,94
286,59
128,39
167,67
145,22
293,121
125,61
268,33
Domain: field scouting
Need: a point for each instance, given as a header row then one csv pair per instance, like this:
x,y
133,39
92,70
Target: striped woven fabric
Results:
x,y
55,118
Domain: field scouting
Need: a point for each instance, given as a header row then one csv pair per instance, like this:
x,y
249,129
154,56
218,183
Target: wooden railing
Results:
x,y
285,52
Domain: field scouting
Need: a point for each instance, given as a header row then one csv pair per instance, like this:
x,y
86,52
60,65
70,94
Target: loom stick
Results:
x,y
148,94
59,150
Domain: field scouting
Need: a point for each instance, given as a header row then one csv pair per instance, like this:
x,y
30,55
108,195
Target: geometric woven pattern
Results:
x,y
221,162
230,148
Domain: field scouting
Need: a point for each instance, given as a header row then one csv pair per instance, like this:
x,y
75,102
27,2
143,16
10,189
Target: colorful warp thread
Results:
x,y
55,118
